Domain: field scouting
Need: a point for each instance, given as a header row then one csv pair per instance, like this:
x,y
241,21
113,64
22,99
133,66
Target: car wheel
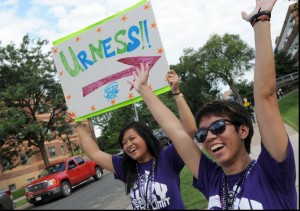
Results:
x,y
65,189
98,173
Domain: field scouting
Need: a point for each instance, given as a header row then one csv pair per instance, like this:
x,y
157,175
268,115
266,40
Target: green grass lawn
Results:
x,y
21,202
289,109
192,198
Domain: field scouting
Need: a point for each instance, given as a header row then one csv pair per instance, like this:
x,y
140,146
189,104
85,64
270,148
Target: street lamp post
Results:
x,y
136,118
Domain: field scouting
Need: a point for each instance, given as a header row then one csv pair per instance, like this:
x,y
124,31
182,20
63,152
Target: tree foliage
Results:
x,y
32,101
196,86
110,124
295,9
245,89
225,59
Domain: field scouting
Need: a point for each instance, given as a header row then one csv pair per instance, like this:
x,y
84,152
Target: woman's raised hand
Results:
x,y
173,80
140,77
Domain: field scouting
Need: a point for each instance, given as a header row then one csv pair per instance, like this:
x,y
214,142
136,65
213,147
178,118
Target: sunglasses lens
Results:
x,y
218,127
201,135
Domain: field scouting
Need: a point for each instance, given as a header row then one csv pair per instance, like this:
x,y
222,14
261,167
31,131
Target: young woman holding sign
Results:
x,y
151,174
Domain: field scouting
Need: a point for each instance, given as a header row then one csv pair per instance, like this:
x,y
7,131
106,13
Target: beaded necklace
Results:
x,y
143,192
228,200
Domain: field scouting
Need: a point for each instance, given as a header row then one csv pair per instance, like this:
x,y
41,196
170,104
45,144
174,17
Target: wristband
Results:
x,y
178,95
174,94
260,16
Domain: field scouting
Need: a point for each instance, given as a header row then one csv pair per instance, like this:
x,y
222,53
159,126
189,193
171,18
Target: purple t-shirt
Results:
x,y
269,185
166,186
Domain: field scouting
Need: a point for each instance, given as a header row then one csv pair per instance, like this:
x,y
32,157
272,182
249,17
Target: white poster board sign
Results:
x,y
95,63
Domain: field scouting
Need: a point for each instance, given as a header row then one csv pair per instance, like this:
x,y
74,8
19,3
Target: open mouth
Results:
x,y
216,147
132,150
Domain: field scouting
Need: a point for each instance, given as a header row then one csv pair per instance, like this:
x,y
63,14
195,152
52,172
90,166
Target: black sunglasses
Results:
x,y
216,128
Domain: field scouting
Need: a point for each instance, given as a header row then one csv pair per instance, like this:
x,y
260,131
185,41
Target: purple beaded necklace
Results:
x,y
144,193
228,200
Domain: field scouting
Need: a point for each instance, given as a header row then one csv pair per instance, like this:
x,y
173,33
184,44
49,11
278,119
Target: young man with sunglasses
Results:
x,y
235,181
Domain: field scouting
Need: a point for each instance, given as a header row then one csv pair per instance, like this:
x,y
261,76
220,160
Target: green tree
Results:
x,y
245,90
110,124
295,10
284,63
63,132
194,83
32,100
225,59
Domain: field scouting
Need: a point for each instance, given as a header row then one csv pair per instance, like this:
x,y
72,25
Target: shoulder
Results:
x,y
116,160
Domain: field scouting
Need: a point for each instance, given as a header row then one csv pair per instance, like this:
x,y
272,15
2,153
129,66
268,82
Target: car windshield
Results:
x,y
53,169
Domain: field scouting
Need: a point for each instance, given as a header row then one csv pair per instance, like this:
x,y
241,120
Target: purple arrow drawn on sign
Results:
x,y
134,61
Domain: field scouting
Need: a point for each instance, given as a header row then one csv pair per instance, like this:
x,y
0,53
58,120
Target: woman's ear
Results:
x,y
244,131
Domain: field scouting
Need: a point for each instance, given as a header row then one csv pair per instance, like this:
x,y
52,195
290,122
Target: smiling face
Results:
x,y
135,146
227,147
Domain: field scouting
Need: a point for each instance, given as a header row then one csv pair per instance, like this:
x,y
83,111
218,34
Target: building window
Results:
x,y
6,165
294,51
52,152
79,160
12,187
42,109
285,41
25,159
62,150
76,149
30,179
289,32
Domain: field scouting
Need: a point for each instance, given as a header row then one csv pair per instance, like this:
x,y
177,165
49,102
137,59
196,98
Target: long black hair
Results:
x,y
129,164
233,110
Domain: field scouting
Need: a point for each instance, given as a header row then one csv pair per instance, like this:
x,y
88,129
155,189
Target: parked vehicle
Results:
x,y
6,200
60,177
120,153
162,137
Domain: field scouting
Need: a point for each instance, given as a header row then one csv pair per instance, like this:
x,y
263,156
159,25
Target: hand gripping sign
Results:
x,y
95,63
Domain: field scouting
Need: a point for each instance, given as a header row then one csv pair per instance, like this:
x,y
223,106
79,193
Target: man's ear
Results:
x,y
244,131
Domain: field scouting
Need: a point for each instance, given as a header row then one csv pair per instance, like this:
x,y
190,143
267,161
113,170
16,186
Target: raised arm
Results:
x,y
185,113
271,127
184,144
90,147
